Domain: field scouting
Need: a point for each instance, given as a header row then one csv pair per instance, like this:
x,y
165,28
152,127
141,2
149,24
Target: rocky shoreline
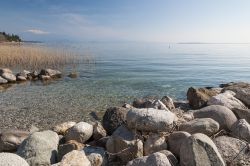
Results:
x,y
211,129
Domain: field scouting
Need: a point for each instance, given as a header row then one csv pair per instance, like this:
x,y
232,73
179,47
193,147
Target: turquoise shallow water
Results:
x,y
122,72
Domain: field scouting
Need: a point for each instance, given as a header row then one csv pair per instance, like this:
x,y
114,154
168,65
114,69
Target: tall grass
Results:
x,y
35,57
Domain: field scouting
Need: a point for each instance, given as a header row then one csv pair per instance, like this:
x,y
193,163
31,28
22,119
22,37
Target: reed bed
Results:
x,y
35,57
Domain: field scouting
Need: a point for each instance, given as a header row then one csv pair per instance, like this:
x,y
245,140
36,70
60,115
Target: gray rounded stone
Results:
x,y
11,159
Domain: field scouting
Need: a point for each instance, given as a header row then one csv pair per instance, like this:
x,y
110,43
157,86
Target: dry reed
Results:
x,y
35,57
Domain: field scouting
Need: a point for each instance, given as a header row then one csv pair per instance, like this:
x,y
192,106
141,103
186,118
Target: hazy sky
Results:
x,y
128,20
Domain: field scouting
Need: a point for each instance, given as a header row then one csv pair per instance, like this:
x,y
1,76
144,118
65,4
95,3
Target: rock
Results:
x,y
233,150
151,120
40,148
199,149
172,159
96,155
21,78
242,114
154,143
9,77
113,118
51,73
11,139
100,142
80,132
44,78
168,102
128,106
221,114
124,145
206,126
155,159
24,74
68,147
98,131
143,103
63,127
73,75
75,158
3,81
184,105
198,97
175,140
241,130
242,91
10,159
33,75
5,70
226,99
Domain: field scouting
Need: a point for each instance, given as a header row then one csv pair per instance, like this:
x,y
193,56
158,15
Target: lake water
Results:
x,y
122,72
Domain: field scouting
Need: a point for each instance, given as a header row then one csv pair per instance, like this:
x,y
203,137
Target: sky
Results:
x,y
219,21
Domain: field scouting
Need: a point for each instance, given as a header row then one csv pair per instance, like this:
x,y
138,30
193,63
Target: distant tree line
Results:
x,y
10,37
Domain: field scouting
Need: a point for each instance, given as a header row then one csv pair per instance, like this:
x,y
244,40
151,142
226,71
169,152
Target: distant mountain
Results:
x,y
4,37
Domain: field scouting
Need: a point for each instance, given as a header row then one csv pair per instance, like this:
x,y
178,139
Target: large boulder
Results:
x,y
221,114
5,70
242,114
226,99
155,159
3,81
113,118
10,159
242,91
51,73
233,150
11,139
175,140
198,97
9,77
199,149
206,126
80,132
241,130
124,145
96,155
151,120
68,147
40,148
154,143
172,159
63,127
75,158
168,102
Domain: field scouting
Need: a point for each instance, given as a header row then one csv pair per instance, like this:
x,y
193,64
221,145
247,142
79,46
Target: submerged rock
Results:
x,y
221,114
199,149
51,73
40,148
11,159
11,139
151,120
206,126
198,97
113,118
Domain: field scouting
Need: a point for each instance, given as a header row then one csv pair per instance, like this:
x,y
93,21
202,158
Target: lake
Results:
x,y
123,71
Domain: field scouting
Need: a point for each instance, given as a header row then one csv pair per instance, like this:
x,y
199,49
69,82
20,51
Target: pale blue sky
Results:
x,y
128,20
